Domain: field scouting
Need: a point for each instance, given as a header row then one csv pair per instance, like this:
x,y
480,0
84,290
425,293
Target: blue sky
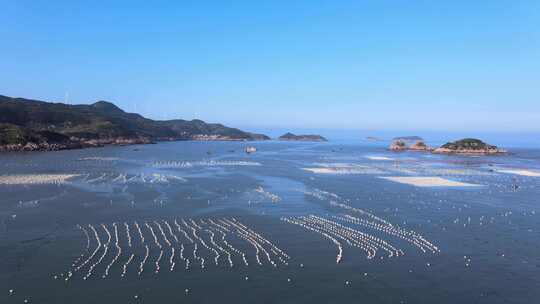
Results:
x,y
382,65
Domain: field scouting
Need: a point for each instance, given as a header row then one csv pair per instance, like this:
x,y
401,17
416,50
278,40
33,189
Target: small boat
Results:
x,y
250,149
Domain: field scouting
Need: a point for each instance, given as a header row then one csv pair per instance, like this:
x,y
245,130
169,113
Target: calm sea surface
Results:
x,y
76,240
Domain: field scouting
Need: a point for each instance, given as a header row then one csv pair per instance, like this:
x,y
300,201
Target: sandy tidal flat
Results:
x,y
97,158
35,179
374,157
521,172
340,168
427,181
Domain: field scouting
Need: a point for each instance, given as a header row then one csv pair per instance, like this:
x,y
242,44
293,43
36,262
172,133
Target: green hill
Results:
x,y
25,122
469,146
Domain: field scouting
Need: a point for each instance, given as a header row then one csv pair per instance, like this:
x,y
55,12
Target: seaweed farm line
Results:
x,y
151,247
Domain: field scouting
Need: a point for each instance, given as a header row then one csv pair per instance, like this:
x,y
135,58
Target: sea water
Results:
x,y
488,236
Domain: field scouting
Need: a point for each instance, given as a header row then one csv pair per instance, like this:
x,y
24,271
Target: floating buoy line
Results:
x,y
203,163
339,234
365,224
159,245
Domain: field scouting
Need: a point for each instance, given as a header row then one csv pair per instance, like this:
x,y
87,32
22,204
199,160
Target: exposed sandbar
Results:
x,y
35,179
375,157
427,181
521,172
344,170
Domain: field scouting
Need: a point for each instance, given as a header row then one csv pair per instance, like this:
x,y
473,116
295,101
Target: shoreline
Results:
x,y
53,147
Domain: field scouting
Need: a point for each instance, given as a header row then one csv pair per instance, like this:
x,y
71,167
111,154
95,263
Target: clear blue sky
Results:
x,y
426,65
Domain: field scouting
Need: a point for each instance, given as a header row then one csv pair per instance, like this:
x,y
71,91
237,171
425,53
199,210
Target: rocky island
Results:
x,y
463,146
401,145
33,125
469,146
310,137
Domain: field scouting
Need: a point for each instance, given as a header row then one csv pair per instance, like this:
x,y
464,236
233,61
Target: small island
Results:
x,y
469,146
402,145
309,137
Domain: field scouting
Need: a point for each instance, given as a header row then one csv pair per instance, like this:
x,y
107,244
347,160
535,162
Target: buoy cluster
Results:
x,y
118,251
121,178
223,230
301,223
409,236
204,163
280,254
274,198
373,222
337,201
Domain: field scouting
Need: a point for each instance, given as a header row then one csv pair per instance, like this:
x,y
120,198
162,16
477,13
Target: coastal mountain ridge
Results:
x,y
27,124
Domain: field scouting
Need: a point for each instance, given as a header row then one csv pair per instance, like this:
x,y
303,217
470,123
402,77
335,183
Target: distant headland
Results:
x,y
309,137
33,125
